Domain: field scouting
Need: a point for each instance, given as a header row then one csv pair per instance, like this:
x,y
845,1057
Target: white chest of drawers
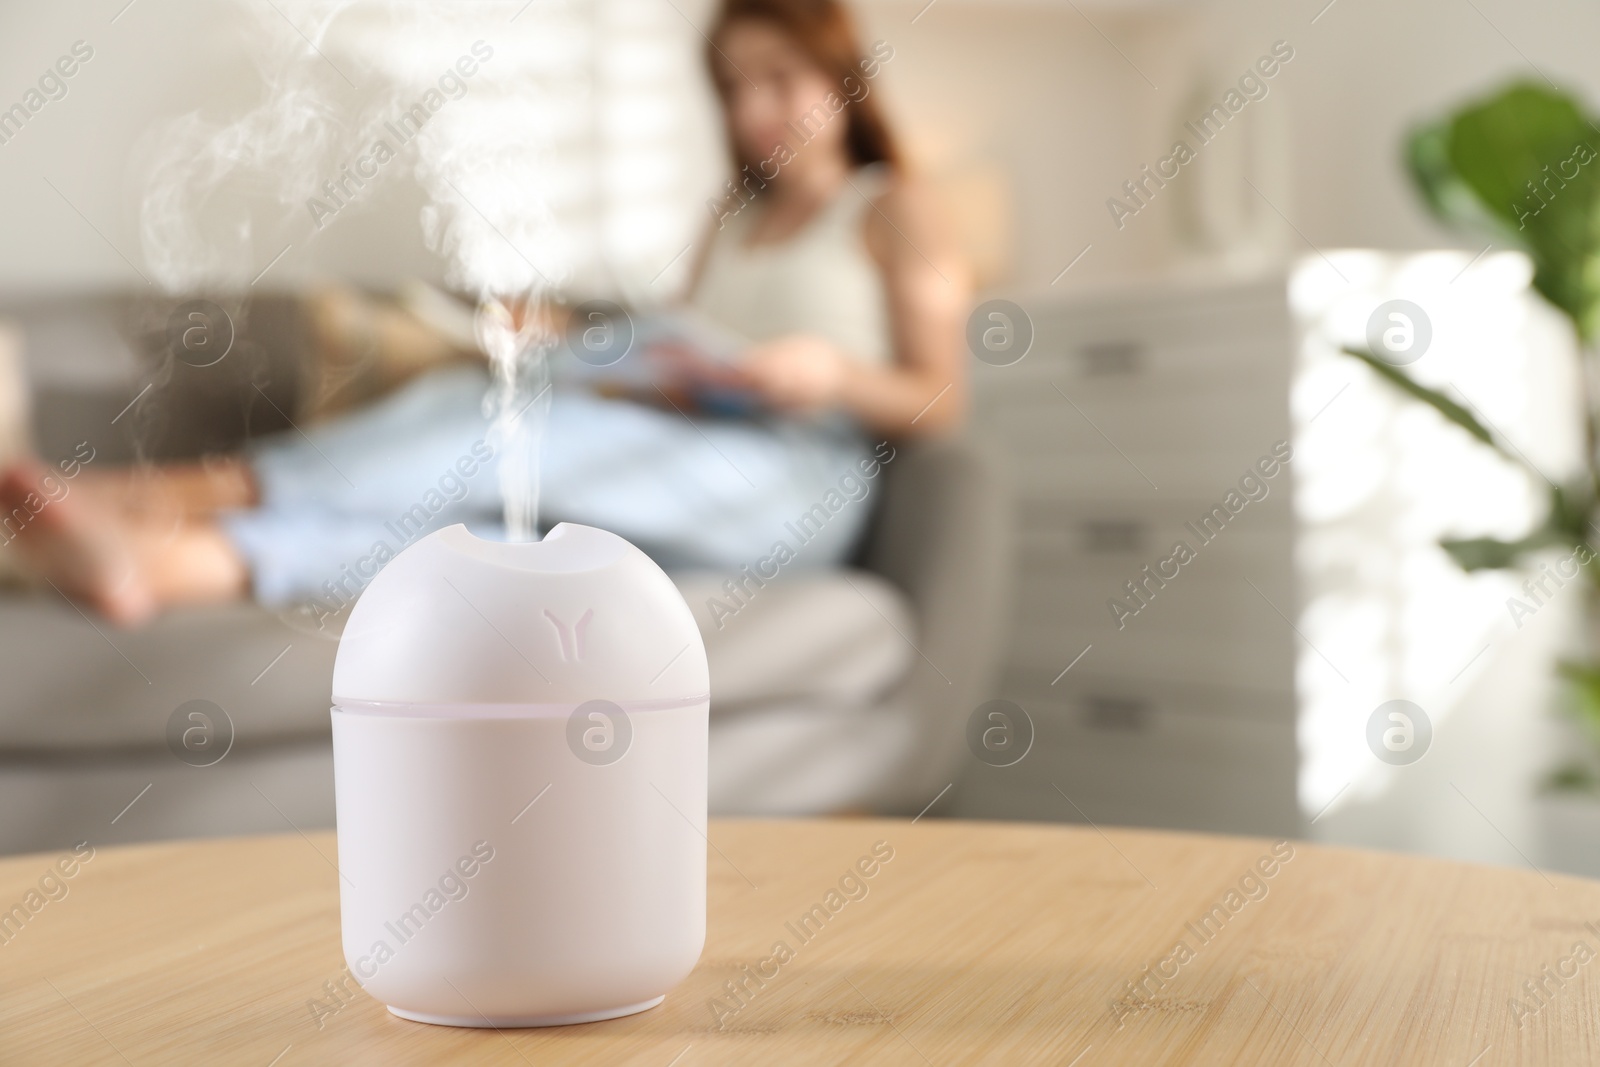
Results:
x,y
1134,414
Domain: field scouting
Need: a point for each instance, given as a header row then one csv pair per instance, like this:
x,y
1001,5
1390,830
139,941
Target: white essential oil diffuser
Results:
x,y
519,742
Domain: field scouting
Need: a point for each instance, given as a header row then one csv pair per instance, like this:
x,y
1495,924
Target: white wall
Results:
x,y
158,60
1036,91
1364,74
1373,70
1031,89
1028,91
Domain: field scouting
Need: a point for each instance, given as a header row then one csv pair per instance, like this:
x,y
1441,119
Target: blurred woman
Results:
x,y
822,252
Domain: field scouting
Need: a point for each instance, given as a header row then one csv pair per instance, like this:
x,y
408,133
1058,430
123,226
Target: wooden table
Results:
x,y
976,943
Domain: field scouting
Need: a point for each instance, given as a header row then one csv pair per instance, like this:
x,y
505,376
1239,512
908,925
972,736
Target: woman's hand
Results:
x,y
797,372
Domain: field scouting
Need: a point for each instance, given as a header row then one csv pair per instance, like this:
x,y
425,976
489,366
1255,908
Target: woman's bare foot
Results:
x,y
78,548
174,491
123,568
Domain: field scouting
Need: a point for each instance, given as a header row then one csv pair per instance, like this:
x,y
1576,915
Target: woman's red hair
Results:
x,y
826,33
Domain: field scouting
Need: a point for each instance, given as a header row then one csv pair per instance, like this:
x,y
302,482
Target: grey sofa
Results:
x,y
831,692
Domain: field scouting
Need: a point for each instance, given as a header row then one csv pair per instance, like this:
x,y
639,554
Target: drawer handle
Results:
x,y
1107,359
1127,714
1114,535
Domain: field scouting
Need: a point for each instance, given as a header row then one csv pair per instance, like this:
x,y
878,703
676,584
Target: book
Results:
x,y
680,354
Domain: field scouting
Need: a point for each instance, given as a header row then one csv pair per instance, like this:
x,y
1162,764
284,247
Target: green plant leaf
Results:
x,y
1569,515
1564,526
1523,163
1584,679
1486,553
1571,777
1566,520
1432,397
1450,199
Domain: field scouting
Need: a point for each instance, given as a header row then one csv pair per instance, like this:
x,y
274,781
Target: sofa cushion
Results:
x,y
836,637
69,686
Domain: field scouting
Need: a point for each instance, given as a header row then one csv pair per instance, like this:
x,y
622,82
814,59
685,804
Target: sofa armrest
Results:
x,y
944,534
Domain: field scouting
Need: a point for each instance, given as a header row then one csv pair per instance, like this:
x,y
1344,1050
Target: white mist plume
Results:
x,y
223,198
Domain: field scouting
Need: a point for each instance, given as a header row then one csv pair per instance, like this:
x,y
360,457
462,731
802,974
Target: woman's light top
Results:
x,y
820,280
